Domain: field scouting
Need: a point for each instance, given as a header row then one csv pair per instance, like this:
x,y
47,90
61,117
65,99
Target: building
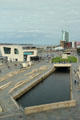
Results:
x,y
78,51
68,45
73,44
77,44
65,40
59,48
62,43
65,44
18,52
65,36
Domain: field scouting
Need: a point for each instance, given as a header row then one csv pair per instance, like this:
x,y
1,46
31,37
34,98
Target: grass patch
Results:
x,y
70,59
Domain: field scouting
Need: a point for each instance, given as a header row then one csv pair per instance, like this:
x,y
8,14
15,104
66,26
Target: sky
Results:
x,y
39,21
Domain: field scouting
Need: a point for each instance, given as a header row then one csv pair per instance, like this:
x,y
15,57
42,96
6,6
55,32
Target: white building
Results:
x,y
59,48
18,52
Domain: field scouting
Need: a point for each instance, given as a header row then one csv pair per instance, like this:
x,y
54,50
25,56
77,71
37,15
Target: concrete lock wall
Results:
x,y
45,107
71,97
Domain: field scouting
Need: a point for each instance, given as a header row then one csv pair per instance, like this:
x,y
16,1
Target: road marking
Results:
x,y
11,74
10,115
5,85
20,83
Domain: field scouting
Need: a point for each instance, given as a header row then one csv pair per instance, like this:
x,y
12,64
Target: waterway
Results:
x,y
55,88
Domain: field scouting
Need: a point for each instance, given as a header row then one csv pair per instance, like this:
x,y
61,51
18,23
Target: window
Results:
x,y
16,51
16,59
29,53
7,50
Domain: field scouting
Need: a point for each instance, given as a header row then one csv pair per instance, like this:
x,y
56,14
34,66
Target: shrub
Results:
x,y
70,59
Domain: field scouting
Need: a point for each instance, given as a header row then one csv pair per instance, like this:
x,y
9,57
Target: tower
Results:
x,y
65,36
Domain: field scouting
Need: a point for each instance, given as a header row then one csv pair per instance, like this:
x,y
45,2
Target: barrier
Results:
x,y
45,107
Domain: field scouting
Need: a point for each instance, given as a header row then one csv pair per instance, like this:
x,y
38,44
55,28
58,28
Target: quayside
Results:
x,y
55,88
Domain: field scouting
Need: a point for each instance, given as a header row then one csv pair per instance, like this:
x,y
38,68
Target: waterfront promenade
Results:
x,y
17,79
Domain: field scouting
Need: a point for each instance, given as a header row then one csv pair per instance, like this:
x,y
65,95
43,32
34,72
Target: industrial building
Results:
x,y
20,53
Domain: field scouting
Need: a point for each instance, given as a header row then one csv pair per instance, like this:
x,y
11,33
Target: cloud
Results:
x,y
39,16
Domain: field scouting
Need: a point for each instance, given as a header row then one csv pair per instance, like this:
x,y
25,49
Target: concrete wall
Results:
x,y
45,107
62,65
71,97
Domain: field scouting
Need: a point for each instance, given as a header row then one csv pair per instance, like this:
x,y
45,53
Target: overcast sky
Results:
x,y
39,21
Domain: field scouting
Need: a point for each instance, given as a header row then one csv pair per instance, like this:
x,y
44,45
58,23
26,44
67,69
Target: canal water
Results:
x,y
54,88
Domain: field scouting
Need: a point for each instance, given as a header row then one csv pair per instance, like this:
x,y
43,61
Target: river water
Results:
x,y
55,88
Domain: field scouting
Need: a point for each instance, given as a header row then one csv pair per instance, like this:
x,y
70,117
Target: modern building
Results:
x,y
65,39
65,36
18,52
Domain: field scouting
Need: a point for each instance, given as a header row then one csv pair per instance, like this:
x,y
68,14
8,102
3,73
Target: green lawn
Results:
x,y
70,59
